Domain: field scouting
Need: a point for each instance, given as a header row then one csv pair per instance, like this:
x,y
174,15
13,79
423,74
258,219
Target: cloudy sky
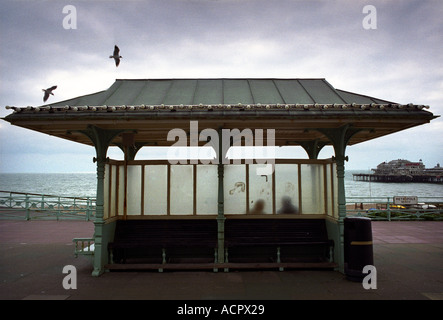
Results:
x,y
398,59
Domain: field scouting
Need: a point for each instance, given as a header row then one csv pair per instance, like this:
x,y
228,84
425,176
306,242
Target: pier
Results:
x,y
401,170
397,178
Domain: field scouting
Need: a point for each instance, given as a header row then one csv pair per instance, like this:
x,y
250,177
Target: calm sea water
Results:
x,y
381,189
84,185
60,184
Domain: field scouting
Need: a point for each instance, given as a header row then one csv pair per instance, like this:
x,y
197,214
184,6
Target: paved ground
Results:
x,y
408,257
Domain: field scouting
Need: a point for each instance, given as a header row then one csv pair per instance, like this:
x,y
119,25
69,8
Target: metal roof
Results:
x,y
219,91
295,108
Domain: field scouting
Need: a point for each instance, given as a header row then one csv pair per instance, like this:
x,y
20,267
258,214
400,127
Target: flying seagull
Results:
x,y
48,92
116,56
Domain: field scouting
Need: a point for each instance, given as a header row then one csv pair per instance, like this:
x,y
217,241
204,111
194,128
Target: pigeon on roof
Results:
x,y
116,56
48,92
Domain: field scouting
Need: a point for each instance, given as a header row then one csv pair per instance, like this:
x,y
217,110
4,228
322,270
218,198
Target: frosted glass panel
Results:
x,y
312,189
235,189
134,190
207,189
260,191
286,188
112,204
121,189
156,190
334,169
329,196
318,189
106,193
182,189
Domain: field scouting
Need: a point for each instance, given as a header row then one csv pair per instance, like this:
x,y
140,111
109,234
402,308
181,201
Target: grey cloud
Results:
x,y
398,61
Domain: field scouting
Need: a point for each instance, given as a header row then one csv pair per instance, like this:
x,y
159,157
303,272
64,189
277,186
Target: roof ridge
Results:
x,y
366,96
335,90
222,78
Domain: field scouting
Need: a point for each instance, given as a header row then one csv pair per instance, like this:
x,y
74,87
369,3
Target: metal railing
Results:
x,y
84,246
384,208
27,206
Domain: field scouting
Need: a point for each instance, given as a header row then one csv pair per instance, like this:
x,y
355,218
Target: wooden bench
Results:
x,y
279,242
162,241
192,244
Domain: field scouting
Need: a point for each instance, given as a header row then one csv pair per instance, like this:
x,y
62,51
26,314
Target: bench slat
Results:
x,y
143,236
278,231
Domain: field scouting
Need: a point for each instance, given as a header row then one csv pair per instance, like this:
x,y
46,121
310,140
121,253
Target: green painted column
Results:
x,y
101,139
312,148
100,252
221,199
340,138
129,146
341,193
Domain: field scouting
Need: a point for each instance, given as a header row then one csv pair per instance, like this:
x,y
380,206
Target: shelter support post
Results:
x,y
129,146
340,138
312,148
220,212
102,140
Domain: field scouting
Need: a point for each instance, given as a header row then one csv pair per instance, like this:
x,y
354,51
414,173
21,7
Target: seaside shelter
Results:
x,y
238,211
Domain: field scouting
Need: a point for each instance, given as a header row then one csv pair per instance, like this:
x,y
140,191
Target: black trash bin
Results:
x,y
357,246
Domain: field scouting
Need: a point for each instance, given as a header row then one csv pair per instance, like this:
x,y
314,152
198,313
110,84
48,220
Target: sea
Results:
x,y
85,185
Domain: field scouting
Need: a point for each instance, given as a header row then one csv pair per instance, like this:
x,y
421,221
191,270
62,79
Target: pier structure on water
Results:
x,y
400,170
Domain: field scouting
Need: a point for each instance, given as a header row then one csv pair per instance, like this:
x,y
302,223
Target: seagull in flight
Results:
x,y
116,56
48,92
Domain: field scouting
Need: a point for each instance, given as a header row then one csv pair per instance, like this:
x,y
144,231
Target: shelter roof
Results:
x,y
295,108
219,91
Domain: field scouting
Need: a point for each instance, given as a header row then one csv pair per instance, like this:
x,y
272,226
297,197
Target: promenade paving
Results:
x,y
408,256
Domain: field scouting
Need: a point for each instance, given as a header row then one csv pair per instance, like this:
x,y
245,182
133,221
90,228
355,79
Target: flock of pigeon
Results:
x,y
116,56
